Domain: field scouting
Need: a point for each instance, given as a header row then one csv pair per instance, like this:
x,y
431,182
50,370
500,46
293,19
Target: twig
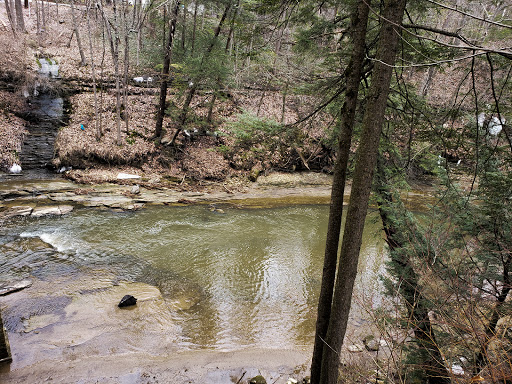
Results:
x,y
241,377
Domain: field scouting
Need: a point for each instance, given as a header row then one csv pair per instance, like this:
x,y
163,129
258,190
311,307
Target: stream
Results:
x,y
241,278
226,280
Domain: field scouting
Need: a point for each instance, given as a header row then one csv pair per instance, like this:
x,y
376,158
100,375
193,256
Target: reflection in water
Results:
x,y
243,278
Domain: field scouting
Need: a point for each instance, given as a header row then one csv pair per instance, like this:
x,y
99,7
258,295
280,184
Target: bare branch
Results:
x,y
470,15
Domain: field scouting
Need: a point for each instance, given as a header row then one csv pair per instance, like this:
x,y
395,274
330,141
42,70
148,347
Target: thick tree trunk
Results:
x,y
366,159
353,75
165,73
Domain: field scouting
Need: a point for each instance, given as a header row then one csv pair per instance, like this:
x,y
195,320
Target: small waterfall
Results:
x,y
45,118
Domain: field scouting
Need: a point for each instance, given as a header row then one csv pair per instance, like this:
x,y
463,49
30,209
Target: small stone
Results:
x,y
135,190
355,348
127,301
371,343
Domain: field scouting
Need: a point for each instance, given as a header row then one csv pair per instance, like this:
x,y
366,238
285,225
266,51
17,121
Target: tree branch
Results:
x,y
470,15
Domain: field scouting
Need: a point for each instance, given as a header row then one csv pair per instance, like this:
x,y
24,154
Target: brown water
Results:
x,y
228,281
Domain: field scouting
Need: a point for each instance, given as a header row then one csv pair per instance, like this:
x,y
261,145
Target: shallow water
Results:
x,y
245,277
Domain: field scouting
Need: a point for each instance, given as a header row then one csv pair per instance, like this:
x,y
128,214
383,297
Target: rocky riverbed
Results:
x,y
59,196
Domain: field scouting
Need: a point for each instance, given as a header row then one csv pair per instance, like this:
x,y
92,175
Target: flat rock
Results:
x,y
49,210
14,287
18,210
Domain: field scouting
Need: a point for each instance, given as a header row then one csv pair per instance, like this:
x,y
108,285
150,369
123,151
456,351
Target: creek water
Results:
x,y
245,277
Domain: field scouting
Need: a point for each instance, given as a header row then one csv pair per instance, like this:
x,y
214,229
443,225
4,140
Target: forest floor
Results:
x,y
129,148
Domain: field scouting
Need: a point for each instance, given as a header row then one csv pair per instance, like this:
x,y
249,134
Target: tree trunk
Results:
x,y
366,159
43,18
194,28
10,14
83,61
353,73
218,83
38,23
93,72
165,73
126,68
184,26
114,50
20,22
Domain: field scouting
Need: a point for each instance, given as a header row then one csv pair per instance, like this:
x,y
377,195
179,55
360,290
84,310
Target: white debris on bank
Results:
x,y
125,176
143,79
16,168
494,124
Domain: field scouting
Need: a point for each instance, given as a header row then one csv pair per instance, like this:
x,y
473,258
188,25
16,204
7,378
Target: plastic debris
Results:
x,y
495,126
124,176
143,79
16,168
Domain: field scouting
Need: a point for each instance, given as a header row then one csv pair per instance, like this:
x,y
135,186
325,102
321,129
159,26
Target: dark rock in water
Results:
x,y
258,380
127,301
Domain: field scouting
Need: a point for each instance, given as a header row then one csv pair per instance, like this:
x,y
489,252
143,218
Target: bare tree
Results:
x,y
93,72
83,61
165,72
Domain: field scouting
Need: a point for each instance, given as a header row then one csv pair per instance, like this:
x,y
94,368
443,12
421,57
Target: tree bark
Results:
x,y
165,73
10,14
366,159
20,22
353,75
194,27
184,26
